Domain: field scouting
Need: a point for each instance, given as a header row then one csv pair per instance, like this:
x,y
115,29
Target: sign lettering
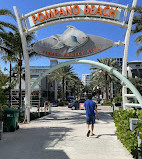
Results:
x,y
97,11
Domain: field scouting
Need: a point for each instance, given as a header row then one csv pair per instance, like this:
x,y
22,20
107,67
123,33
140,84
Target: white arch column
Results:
x,y
124,66
27,67
104,67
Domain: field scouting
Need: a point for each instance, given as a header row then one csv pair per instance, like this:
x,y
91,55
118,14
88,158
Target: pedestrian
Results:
x,y
91,108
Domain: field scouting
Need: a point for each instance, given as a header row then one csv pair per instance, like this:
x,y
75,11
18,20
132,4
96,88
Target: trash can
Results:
x,y
11,117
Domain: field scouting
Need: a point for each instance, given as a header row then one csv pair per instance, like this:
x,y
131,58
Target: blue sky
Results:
x,y
108,31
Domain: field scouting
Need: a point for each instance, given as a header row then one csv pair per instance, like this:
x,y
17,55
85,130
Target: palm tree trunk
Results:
x,y
63,92
106,86
10,86
20,72
66,89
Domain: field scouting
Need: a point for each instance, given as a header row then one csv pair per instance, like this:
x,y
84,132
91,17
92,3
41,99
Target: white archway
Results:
x,y
24,30
111,70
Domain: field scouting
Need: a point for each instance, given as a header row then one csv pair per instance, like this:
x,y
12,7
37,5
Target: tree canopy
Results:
x,y
137,29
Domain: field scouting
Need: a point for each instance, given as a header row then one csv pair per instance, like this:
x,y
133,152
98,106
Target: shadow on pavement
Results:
x,y
77,118
34,143
98,136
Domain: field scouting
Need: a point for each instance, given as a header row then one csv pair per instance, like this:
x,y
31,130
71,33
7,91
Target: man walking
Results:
x,y
90,108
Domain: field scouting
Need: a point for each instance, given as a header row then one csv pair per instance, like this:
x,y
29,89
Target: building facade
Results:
x,y
45,90
86,79
134,69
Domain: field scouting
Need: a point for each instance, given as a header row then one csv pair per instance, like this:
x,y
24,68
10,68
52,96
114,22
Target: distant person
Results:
x,y
90,108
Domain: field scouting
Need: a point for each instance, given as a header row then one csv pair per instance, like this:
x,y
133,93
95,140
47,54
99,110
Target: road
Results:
x,y
62,135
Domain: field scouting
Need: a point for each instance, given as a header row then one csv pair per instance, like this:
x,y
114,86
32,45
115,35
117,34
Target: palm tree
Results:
x,y
137,22
62,74
10,44
75,85
88,89
137,82
3,89
3,24
11,58
102,78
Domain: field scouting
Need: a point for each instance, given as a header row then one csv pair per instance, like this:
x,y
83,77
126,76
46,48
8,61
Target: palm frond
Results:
x,y
7,13
6,50
139,51
138,40
137,28
138,9
8,25
2,29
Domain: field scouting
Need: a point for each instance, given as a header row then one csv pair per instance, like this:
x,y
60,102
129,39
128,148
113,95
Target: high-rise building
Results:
x,y
120,60
86,79
134,69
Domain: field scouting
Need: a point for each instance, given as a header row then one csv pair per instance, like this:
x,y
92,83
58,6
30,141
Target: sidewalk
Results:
x,y
62,135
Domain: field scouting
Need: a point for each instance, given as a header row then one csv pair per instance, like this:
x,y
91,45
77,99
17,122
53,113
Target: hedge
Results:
x,y
107,103
128,138
34,115
63,103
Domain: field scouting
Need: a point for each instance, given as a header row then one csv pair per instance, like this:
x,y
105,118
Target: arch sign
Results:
x,y
75,10
106,12
73,43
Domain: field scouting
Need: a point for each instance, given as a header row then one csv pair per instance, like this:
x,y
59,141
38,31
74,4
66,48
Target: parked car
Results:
x,y
54,104
82,100
70,100
76,104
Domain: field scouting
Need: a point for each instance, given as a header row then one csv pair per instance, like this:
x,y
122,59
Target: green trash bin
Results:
x,y
11,117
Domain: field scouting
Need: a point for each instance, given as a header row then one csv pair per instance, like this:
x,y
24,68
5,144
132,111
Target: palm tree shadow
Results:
x,y
98,136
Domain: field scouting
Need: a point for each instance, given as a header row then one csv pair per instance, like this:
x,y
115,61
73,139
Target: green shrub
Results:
x,y
63,103
117,99
14,106
36,115
2,108
107,103
127,137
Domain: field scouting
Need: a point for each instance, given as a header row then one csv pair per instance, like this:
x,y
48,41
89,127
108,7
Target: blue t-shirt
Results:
x,y
90,106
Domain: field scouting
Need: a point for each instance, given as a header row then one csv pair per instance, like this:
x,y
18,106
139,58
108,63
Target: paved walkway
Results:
x,y
62,135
